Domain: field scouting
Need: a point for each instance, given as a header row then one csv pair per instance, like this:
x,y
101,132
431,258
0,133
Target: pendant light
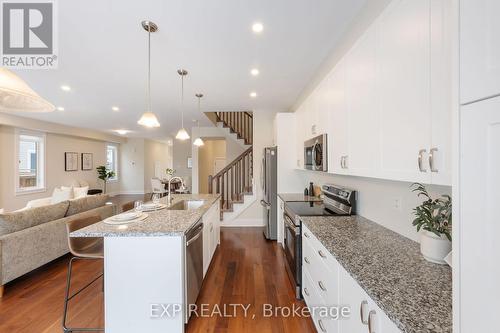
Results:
x,y
182,134
198,141
16,95
148,118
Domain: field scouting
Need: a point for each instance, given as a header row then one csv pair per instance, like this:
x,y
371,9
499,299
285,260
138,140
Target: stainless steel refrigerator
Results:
x,y
268,180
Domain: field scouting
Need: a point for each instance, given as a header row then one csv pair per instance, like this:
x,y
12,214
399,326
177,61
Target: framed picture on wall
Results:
x,y
87,161
70,161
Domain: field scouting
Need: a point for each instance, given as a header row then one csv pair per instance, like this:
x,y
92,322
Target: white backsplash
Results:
x,y
389,203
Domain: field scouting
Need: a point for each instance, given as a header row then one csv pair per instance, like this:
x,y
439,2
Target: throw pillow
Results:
x,y
80,192
60,195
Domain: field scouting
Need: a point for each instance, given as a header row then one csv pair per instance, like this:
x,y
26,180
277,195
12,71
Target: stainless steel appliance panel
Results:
x,y
194,264
316,154
269,186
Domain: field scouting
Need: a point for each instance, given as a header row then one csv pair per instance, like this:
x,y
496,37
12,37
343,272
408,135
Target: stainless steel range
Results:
x,y
337,201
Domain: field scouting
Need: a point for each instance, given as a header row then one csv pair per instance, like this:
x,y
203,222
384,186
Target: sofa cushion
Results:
x,y
62,194
39,202
16,221
86,203
80,192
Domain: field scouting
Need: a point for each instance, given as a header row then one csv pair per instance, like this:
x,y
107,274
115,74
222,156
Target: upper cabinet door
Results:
x,y
440,158
479,49
336,119
363,109
404,88
479,228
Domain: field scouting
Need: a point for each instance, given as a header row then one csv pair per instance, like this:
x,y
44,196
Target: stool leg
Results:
x,y
66,295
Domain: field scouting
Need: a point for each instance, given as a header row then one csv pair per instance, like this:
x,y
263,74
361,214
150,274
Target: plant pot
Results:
x,y
434,248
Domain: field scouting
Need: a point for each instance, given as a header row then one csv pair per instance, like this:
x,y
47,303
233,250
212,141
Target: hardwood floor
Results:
x,y
246,269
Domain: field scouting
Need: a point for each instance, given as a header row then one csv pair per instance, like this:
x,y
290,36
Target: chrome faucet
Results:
x,y
169,197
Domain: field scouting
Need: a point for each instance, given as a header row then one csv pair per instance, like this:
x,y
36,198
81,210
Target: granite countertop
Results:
x,y
159,223
288,197
414,293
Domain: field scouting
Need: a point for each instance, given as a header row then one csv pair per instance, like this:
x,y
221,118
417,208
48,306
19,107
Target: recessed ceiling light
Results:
x,y
253,94
115,108
60,108
122,131
254,72
65,88
257,27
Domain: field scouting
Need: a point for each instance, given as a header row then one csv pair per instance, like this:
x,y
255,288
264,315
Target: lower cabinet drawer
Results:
x,y
324,274
323,324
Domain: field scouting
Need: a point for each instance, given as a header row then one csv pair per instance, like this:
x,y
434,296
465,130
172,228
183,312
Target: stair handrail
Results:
x,y
233,163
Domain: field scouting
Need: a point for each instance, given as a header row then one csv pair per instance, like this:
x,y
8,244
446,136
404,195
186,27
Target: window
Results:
x,y
30,158
112,160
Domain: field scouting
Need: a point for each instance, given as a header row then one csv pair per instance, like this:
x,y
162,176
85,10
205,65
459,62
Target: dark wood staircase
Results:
x,y
235,181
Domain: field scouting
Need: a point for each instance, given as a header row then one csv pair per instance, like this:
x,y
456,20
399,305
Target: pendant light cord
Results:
x,y
182,99
149,68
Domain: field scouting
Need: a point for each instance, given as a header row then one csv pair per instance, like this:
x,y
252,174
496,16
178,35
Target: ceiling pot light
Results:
x,y
115,108
148,119
257,27
60,108
254,72
16,95
122,131
182,134
65,88
198,141
253,94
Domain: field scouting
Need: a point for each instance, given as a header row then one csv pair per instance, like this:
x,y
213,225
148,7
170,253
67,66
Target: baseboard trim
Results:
x,y
112,194
244,223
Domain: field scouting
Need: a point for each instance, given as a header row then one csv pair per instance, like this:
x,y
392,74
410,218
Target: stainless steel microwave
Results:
x,y
315,154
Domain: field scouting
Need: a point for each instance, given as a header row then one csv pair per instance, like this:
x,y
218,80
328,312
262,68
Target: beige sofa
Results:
x,y
36,236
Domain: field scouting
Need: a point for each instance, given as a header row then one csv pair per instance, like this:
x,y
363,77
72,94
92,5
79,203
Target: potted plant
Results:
x,y
104,174
170,172
434,217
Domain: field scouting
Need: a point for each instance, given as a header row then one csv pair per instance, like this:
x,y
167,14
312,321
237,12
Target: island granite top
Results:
x,y
163,222
414,293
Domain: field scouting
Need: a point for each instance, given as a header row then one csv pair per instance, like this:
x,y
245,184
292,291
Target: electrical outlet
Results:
x,y
397,203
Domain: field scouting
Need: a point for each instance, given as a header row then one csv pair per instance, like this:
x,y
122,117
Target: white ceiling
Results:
x,y
103,58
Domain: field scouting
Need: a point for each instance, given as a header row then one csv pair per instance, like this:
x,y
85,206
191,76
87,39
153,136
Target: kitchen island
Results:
x,y
146,264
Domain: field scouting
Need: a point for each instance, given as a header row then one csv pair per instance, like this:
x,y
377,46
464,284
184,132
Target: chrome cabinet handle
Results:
x,y
306,234
306,291
362,309
431,159
371,321
321,326
346,157
420,157
321,285
342,162
321,254
306,259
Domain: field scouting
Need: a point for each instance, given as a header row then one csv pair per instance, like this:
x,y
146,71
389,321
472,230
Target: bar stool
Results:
x,y
82,248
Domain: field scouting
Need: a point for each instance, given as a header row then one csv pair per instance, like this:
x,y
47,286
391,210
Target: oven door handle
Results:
x,y
289,223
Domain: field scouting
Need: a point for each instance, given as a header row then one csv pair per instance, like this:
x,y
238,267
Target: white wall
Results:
x,y
377,199
55,175
181,151
132,167
155,152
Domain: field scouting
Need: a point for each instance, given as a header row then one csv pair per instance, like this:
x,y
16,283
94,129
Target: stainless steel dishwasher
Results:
x,y
194,264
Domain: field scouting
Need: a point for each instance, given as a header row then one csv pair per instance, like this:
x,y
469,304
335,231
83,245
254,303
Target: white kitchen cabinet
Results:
x,y
284,134
336,119
281,231
479,182
211,234
403,75
440,165
362,107
301,133
479,49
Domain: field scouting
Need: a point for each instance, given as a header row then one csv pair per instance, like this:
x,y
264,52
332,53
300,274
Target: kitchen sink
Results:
x,y
187,205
